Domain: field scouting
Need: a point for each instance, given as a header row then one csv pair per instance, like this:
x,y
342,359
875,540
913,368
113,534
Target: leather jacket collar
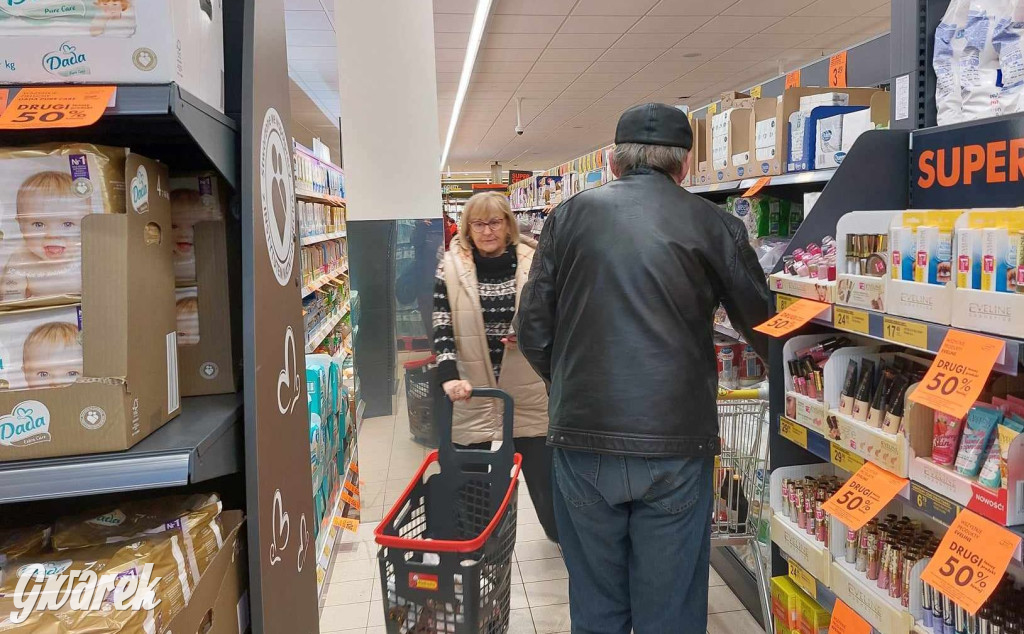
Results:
x,y
647,169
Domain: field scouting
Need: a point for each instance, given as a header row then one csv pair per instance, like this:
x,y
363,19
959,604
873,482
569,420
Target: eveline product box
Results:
x,y
128,385
990,246
200,250
115,42
928,294
47,194
862,278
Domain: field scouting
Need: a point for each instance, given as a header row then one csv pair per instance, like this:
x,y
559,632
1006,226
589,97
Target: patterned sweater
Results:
x,y
496,280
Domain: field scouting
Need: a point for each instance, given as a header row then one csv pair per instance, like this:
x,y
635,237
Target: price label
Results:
x,y
793,317
352,487
864,495
793,431
959,372
846,621
844,459
908,333
354,467
755,92
803,579
3,99
56,107
793,79
970,560
758,186
851,320
350,500
712,109
347,523
837,70
782,302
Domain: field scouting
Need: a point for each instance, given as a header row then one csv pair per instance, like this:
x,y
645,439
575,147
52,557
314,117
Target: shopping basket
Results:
x,y
421,392
446,545
740,480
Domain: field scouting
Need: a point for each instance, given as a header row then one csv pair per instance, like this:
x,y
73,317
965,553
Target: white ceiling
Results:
x,y
313,65
579,63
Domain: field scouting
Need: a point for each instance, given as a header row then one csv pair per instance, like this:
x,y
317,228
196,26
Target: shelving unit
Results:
x,y
323,237
314,340
319,282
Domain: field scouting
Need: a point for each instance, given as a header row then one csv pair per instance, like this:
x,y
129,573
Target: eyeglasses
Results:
x,y
494,224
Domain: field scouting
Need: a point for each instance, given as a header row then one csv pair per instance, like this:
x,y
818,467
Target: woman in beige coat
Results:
x,y
476,295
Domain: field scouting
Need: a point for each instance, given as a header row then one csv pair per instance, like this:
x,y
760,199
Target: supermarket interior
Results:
x,y
281,213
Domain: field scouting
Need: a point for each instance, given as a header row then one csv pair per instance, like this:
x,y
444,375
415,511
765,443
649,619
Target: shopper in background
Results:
x,y
617,317
475,298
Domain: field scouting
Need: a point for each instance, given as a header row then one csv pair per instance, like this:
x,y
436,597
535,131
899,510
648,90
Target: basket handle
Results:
x,y
463,458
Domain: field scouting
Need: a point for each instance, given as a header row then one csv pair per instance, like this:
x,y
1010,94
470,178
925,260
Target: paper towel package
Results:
x,y
114,42
828,150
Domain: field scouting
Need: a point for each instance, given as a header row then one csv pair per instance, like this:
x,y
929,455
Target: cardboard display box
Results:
x,y
206,363
790,104
129,384
137,42
728,141
700,165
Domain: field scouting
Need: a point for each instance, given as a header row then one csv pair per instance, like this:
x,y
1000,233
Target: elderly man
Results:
x,y
617,318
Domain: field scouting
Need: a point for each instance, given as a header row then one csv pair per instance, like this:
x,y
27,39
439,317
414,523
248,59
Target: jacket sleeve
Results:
x,y
444,331
746,297
535,322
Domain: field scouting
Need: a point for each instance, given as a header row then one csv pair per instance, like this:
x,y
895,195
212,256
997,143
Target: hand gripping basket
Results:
x,y
446,546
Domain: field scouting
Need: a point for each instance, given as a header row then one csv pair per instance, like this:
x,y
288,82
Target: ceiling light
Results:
x,y
476,35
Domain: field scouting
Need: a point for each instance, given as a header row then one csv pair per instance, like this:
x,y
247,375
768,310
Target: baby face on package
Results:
x,y
40,348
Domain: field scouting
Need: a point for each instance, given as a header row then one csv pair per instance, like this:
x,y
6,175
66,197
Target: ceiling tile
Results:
x,y
660,41
454,6
630,54
709,40
603,66
884,11
583,40
533,7
839,8
737,24
767,7
613,7
484,66
772,40
805,25
450,55
751,55
307,20
516,40
451,40
522,24
726,65
679,25
540,76
509,54
311,52
597,24
551,66
452,22
448,67
690,7
571,55
865,26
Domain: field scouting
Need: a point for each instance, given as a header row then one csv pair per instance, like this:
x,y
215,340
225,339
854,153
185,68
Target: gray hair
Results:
x,y
666,158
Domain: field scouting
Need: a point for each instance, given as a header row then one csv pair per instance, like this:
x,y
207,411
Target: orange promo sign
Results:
x,y
56,107
958,374
846,621
837,70
758,186
864,495
793,79
792,317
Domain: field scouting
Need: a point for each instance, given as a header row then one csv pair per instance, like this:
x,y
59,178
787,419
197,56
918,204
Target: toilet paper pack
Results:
x,y
828,151
115,41
40,349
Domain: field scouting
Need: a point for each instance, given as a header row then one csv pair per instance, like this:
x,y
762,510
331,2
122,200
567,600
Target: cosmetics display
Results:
x,y
990,271
885,551
793,611
809,272
806,369
802,502
875,393
867,254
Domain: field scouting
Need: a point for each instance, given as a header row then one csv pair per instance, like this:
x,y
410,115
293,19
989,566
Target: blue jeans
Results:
x,y
635,533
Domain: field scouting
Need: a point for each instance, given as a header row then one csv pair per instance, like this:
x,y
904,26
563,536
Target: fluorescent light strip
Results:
x,y
476,35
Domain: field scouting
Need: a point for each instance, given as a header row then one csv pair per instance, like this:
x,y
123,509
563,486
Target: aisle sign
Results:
x,y
793,79
864,495
959,372
758,186
971,560
794,316
908,333
56,107
837,70
846,621
852,320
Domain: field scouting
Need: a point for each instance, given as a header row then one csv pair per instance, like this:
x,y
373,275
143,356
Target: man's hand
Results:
x,y
458,390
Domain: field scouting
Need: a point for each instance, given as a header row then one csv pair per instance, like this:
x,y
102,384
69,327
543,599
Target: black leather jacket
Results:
x,y
618,313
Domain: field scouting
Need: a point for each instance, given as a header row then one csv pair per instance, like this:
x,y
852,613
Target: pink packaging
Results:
x,y
946,439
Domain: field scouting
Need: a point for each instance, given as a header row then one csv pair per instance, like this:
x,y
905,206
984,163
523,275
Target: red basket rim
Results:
x,y
419,363
442,545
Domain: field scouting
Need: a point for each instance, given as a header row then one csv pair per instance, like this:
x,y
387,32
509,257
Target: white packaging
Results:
x,y
828,142
187,313
854,125
1007,43
810,198
115,42
720,140
764,139
995,243
194,199
810,102
741,159
949,103
40,348
797,123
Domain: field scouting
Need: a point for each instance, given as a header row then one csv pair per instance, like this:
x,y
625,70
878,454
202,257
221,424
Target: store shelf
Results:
x,y
317,197
912,333
318,283
325,329
202,443
323,237
528,209
176,125
331,531
819,591
307,152
739,186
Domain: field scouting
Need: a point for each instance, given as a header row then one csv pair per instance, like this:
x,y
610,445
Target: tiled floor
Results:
x,y
388,458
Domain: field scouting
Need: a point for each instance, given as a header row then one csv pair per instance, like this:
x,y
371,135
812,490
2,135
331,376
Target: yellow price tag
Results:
x,y
755,92
782,302
793,431
844,459
803,579
712,109
905,332
851,320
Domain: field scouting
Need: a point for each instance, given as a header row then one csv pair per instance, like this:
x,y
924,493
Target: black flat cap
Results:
x,y
654,124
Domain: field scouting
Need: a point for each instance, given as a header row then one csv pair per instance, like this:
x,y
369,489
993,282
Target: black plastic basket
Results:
x,y
446,546
421,394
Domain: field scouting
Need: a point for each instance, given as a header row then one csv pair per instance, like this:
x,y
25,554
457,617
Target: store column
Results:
x,y
391,149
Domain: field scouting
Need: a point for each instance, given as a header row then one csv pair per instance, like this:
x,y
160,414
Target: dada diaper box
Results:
x,y
206,364
115,41
92,366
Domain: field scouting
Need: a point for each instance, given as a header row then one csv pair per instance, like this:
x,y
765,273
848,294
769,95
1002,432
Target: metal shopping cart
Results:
x,y
741,480
446,546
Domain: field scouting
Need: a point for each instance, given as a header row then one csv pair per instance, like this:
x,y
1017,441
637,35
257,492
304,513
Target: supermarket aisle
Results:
x,y
540,590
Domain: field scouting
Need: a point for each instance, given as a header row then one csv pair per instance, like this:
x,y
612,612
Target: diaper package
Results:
x,y
46,193
40,349
116,42
187,313
195,198
22,542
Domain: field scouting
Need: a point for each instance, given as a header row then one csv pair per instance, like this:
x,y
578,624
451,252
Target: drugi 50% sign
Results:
x,y
56,107
959,372
864,495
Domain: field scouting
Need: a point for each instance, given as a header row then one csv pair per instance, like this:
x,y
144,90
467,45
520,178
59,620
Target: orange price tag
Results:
x,y
351,501
792,317
56,107
864,495
354,467
352,487
793,79
347,523
758,186
846,621
837,70
3,99
970,560
959,372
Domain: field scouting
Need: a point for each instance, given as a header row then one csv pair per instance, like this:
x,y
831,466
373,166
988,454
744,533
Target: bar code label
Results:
x,y
173,395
